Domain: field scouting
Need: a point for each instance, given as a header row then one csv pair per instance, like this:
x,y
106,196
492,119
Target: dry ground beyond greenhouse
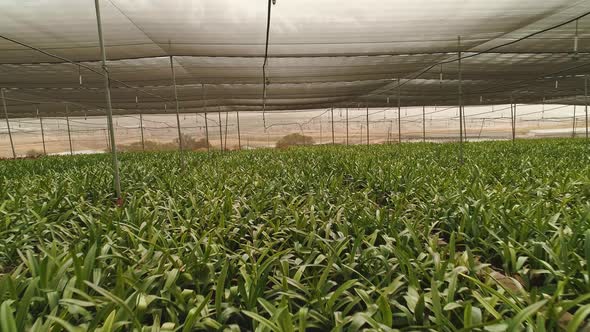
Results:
x,y
381,237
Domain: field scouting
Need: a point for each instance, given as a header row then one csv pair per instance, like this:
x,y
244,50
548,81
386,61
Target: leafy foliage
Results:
x,y
319,238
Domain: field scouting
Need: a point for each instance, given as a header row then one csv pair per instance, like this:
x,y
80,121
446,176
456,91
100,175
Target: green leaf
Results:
x,y
194,314
108,324
578,318
7,321
525,314
220,288
339,291
263,321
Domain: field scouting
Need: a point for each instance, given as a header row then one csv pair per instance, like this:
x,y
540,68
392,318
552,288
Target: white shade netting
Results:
x,y
320,54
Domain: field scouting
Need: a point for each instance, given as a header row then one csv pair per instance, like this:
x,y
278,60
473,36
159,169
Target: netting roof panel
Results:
x,y
304,27
320,54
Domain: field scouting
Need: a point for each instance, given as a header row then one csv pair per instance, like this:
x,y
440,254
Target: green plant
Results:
x,y
385,237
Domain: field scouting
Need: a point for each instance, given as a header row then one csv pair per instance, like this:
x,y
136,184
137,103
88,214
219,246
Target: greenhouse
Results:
x,y
282,165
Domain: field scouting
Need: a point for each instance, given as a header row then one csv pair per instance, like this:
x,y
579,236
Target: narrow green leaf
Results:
x,y
525,314
7,321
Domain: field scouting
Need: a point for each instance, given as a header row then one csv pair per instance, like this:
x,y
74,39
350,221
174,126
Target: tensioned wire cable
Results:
x,y
80,65
482,92
408,116
542,77
423,71
477,92
266,56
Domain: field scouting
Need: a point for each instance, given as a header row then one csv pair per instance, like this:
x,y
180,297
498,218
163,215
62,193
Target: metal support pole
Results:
x,y
220,134
141,129
574,123
140,123
399,112
367,125
42,133
239,134
483,121
423,123
460,93
586,102
225,139
68,125
207,132
512,117
180,147
514,126
117,181
347,126
332,113
7,123
204,100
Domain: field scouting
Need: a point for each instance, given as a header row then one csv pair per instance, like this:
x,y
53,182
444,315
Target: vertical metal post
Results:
x,y
141,129
483,121
180,146
514,126
574,123
460,93
42,132
399,112
332,113
206,122
423,123
207,132
239,134
8,123
347,126
225,139
68,125
117,181
586,102
511,119
140,123
220,134
367,125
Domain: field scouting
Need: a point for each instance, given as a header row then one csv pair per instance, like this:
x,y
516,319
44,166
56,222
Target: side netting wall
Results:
x,y
39,135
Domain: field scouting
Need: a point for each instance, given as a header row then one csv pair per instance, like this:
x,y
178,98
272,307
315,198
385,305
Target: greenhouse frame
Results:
x,y
122,76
